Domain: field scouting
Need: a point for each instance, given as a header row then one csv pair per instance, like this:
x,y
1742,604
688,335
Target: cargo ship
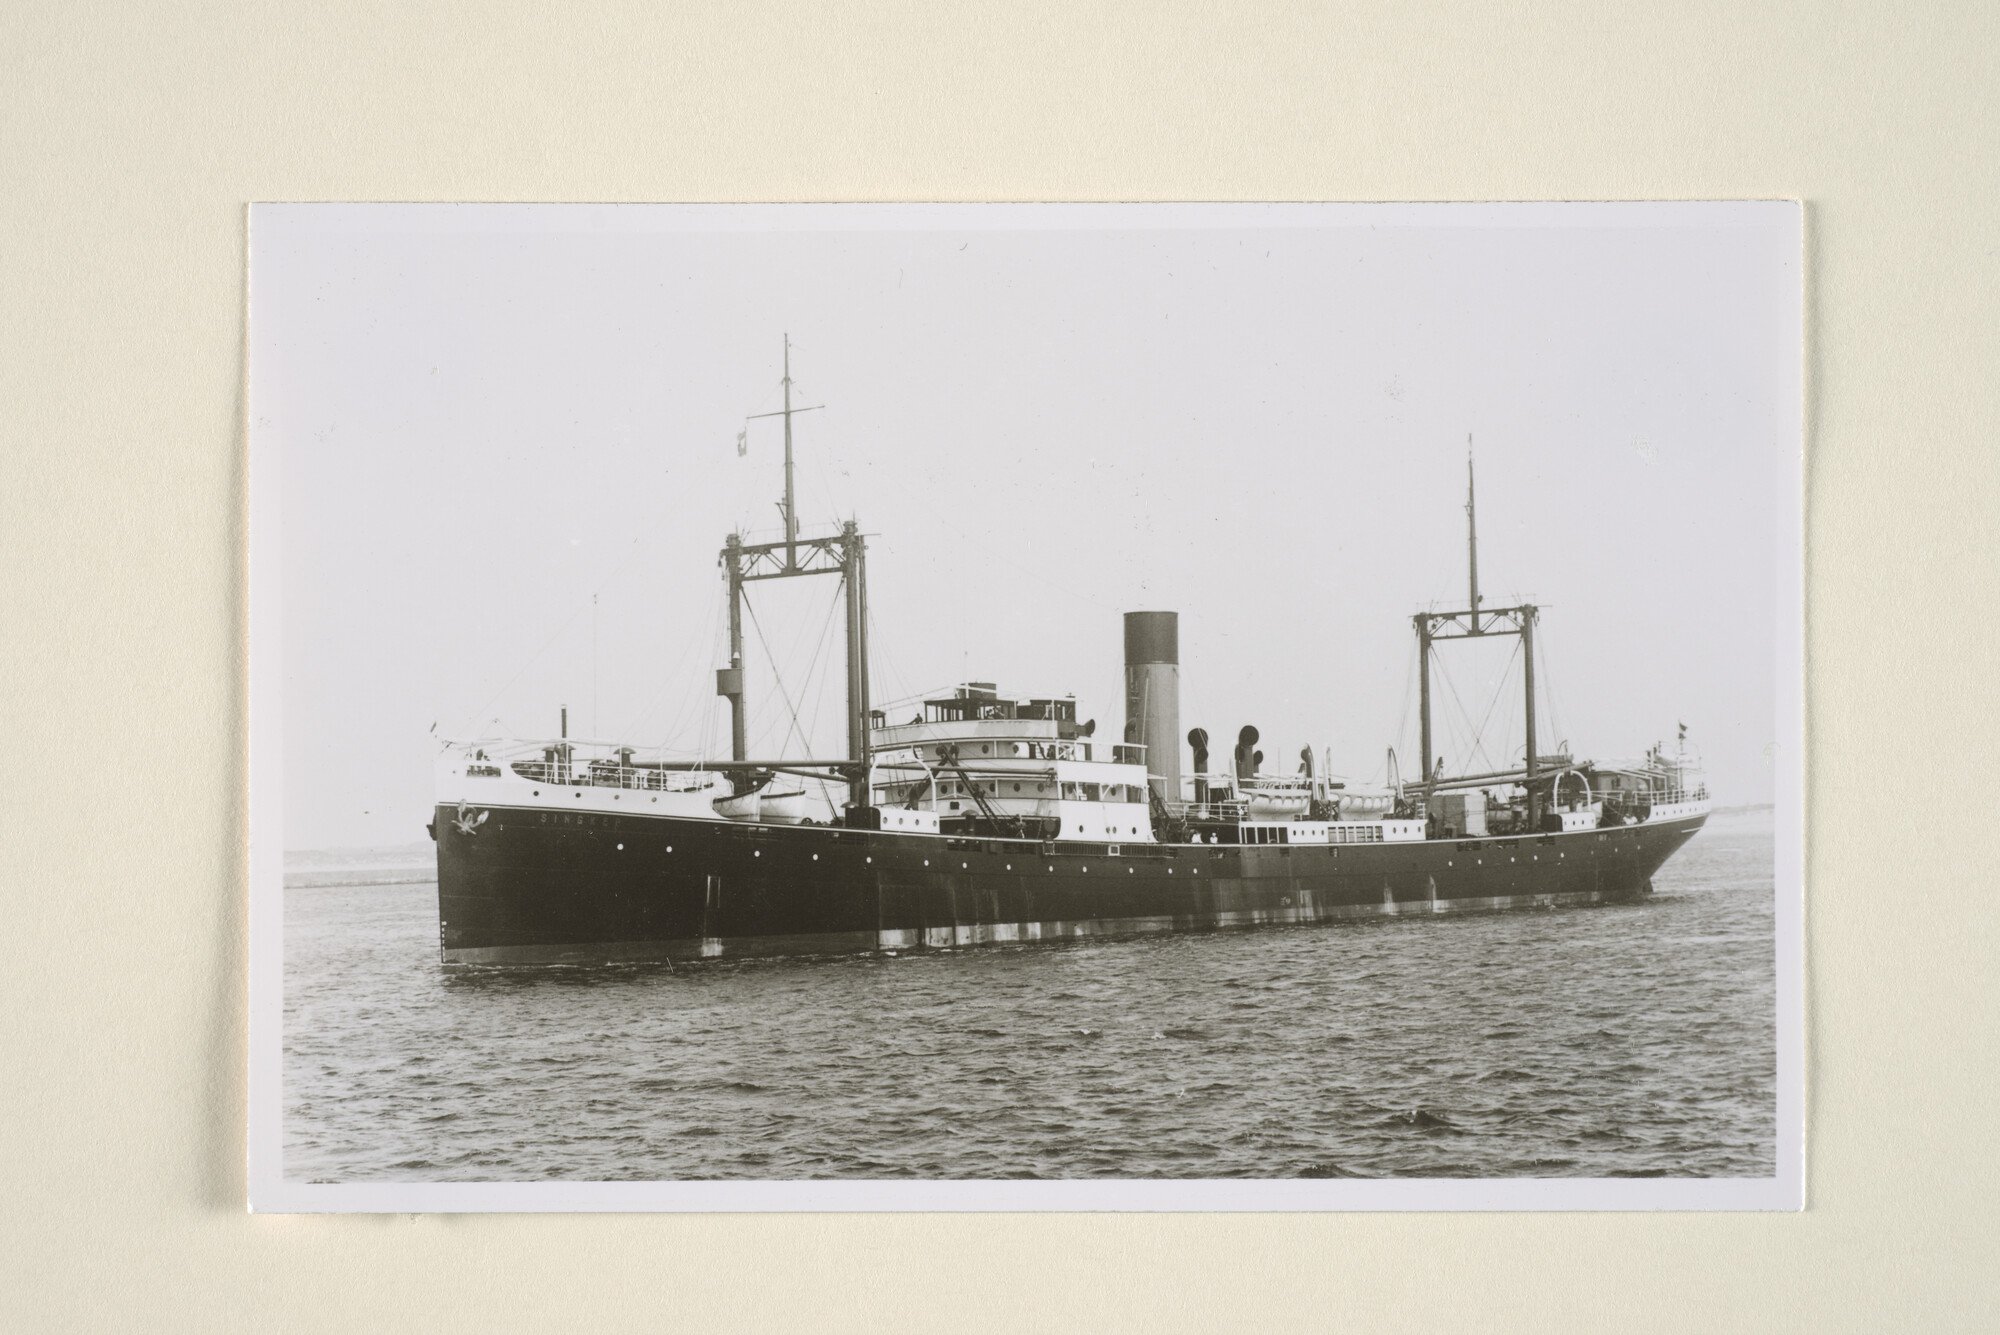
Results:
x,y
989,818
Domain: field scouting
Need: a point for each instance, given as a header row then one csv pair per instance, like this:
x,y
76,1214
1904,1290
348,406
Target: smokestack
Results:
x,y
1246,756
1153,695
1198,742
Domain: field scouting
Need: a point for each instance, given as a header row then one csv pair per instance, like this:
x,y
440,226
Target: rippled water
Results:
x,y
1565,1043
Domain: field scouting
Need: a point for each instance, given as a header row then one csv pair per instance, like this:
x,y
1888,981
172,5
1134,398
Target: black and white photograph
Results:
x,y
1025,706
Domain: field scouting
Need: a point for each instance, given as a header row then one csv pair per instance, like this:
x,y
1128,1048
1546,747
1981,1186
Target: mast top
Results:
x,y
1471,537
788,507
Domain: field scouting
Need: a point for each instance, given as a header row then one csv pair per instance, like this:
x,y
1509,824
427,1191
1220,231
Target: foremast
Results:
x,y
844,554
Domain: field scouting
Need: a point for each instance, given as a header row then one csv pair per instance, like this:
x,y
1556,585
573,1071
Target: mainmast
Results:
x,y
1472,623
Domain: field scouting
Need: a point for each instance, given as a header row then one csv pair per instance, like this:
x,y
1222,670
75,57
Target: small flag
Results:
x,y
742,442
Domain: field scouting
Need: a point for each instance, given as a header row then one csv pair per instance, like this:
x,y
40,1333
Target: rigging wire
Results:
x,y
1506,679
778,678
680,716
1403,714
1549,688
671,675
618,570
883,669
884,664
990,549
1464,715
718,646
1477,744
819,701
784,696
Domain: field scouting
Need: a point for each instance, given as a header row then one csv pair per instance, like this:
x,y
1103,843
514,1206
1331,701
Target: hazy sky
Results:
x,y
504,439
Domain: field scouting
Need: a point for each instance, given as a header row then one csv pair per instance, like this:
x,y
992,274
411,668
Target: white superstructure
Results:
x,y
1024,765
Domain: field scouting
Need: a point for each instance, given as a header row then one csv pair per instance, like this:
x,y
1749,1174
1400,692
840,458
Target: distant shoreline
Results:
x,y
420,851
398,864
318,880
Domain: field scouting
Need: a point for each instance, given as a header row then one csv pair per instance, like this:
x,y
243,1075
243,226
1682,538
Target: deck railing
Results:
x,y
599,774
1660,797
1640,797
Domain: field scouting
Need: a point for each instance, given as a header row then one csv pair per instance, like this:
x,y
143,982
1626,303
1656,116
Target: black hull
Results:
x,y
540,887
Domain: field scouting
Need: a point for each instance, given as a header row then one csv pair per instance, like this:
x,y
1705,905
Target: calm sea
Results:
x,y
1566,1043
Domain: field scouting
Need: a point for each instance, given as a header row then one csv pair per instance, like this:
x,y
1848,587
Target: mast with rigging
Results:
x,y
1472,623
845,555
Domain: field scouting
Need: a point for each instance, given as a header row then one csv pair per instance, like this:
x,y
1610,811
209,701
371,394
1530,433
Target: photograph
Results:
x,y
1040,706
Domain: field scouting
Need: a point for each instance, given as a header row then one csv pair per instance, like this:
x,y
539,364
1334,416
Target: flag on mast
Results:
x,y
742,442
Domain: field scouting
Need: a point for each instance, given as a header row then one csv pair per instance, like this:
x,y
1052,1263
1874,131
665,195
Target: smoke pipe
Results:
x,y
1247,755
1153,696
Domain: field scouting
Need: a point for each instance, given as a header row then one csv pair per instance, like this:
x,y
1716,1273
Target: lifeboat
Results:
x,y
783,808
743,806
1365,804
1268,798
763,805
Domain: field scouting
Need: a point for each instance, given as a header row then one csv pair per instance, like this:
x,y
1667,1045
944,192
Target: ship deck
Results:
x,y
556,885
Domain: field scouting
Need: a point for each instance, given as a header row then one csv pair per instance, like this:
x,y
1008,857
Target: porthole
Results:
x,y
870,859
670,848
757,853
964,865
927,862
621,848
815,857
538,792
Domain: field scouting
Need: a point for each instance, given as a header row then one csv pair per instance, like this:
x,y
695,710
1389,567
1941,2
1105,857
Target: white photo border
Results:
x,y
270,1192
